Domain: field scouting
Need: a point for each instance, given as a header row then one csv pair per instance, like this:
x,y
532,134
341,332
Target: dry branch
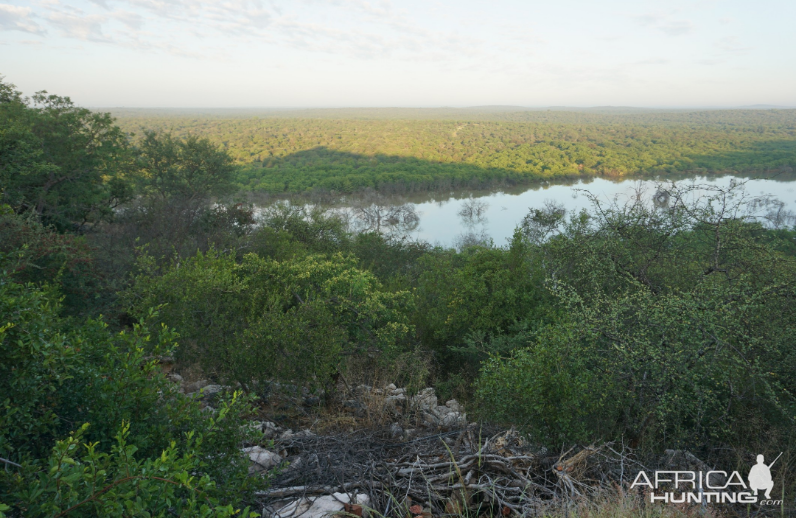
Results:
x,y
487,473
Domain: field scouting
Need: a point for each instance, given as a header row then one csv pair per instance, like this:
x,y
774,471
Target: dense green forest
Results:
x,y
658,326
408,150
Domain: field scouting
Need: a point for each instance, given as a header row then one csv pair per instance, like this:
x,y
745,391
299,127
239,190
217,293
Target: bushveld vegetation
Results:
x,y
349,150
661,325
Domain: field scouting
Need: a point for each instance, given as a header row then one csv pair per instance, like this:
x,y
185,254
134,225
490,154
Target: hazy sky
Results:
x,y
236,53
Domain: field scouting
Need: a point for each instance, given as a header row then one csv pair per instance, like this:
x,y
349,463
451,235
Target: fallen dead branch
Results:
x,y
473,469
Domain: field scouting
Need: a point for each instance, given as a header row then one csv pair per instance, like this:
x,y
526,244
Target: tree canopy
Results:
x,y
341,151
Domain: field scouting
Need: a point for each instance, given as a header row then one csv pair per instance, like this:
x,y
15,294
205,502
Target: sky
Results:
x,y
350,53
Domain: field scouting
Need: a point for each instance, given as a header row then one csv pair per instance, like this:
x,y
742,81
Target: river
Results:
x,y
494,214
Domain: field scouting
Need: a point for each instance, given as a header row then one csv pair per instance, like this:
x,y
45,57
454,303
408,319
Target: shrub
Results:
x,y
80,480
678,331
261,320
56,375
31,252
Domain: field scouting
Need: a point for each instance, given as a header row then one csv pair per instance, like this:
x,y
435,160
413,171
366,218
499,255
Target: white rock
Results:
x,y
453,419
261,458
395,404
320,507
425,400
391,386
454,405
396,430
430,419
442,411
291,509
270,430
252,425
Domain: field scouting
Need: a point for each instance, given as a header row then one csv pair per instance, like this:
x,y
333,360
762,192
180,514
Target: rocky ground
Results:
x,y
393,454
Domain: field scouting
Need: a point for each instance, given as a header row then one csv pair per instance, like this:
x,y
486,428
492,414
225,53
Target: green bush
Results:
x,y
57,376
678,330
79,480
260,320
468,301
65,163
545,389
31,252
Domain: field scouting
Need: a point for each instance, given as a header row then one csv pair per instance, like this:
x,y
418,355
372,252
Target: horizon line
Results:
x,y
469,107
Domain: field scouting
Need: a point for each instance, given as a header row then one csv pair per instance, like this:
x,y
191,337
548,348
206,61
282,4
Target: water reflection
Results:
x,y
463,218
473,210
374,212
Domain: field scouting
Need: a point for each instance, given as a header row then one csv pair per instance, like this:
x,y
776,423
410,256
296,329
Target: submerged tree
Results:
x,y
473,211
375,213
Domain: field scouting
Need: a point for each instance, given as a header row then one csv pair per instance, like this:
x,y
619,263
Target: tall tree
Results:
x,y
188,169
67,164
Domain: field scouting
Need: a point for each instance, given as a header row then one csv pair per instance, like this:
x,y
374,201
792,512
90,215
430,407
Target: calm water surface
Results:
x,y
440,222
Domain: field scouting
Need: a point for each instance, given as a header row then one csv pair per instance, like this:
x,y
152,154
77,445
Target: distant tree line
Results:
x,y
284,155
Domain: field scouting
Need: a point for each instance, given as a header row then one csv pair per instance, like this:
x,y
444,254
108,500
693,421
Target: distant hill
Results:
x,y
556,115
614,109
765,107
